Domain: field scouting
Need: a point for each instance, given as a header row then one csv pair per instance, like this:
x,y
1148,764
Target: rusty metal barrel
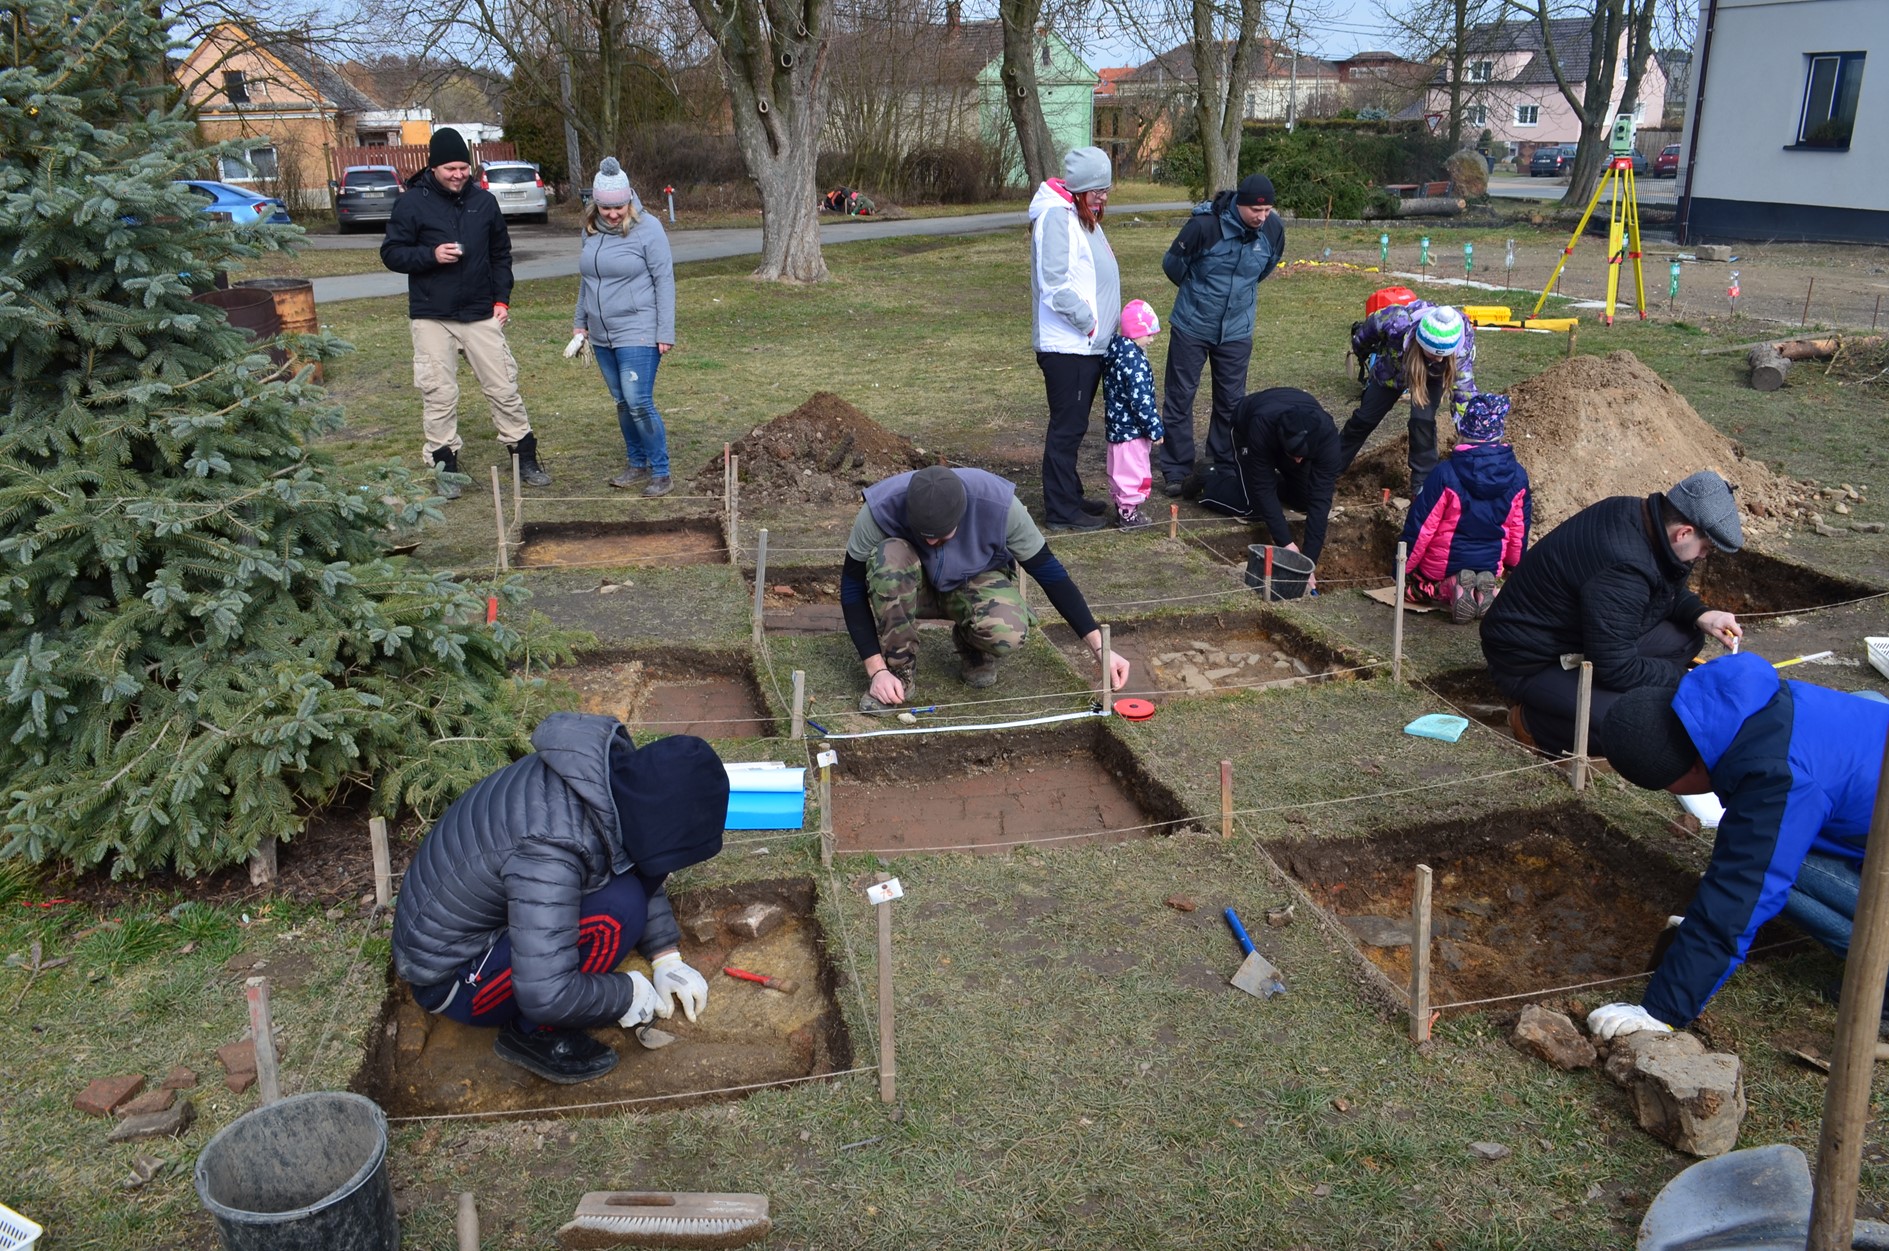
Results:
x,y
294,306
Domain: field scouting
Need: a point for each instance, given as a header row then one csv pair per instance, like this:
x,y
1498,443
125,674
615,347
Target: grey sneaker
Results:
x,y
658,486
630,477
1485,592
1463,607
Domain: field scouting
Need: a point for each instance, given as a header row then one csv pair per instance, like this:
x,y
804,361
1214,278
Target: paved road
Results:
x,y
551,252
1650,190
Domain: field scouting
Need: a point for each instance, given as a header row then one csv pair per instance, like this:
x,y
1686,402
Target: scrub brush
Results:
x,y
662,1218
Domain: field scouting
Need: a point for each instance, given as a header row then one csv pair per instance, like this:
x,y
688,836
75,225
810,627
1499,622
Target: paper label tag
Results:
x,y
885,892
827,759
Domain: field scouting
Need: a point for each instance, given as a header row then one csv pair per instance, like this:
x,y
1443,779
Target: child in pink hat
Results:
x,y
1133,417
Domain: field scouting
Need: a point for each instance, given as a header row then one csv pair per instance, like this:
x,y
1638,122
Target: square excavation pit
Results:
x,y
1749,581
710,695
801,601
980,793
1210,653
420,1064
1521,901
617,544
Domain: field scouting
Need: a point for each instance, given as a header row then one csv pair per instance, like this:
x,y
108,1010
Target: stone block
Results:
x,y
702,927
411,1023
240,1080
238,1057
1626,1051
1713,252
1692,1103
106,1094
165,1124
181,1078
150,1101
1551,1036
757,920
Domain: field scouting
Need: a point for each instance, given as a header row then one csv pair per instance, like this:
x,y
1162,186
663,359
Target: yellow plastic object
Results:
x,y
1560,325
1488,314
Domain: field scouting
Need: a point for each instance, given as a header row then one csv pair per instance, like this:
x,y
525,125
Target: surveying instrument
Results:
x,y
1623,223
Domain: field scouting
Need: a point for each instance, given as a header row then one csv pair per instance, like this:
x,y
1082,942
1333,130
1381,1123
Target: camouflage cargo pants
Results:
x,y
989,610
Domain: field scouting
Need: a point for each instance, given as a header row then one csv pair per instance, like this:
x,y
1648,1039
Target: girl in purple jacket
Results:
x,y
1469,524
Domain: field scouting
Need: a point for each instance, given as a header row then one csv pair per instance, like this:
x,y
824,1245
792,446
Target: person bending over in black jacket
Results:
x,y
1286,455
516,909
1609,585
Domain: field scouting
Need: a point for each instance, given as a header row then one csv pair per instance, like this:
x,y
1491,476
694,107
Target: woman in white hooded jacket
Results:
x,y
1078,306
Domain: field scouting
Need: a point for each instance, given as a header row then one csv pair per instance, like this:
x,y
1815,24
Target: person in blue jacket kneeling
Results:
x,y
1796,767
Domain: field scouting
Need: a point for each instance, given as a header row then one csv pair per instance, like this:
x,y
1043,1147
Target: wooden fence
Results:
x,y
410,158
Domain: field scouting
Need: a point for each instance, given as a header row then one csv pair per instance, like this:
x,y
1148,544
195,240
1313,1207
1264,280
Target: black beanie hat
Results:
x,y
672,802
447,146
934,502
1254,189
1646,742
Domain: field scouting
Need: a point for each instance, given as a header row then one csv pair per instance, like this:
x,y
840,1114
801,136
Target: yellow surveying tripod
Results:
x,y
1623,224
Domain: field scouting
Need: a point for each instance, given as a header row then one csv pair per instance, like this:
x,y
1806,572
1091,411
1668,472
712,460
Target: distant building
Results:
x,y
1285,83
1787,134
1383,81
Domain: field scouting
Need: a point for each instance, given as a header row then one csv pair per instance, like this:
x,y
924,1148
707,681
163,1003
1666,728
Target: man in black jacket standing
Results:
x,y
448,236
519,903
1288,456
1609,585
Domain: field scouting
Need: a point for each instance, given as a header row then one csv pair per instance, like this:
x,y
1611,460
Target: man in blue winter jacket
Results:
x,y
1219,258
526,892
1796,767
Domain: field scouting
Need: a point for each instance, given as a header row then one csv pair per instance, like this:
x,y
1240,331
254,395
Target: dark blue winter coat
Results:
x,y
517,852
1129,408
1218,262
1796,767
1473,513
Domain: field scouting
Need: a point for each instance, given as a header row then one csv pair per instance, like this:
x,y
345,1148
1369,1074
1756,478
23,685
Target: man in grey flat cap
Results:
x,y
1609,585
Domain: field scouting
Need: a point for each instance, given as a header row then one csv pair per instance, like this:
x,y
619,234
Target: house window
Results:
x,y
1832,83
235,87
1528,115
1481,71
1476,114
255,165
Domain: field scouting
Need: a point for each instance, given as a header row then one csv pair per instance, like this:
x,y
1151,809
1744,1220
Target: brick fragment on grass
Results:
x,y
104,1095
181,1078
150,1101
238,1057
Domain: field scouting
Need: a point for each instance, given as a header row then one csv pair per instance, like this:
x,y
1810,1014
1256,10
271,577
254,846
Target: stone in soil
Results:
x,y
105,1095
1551,1036
150,1101
1692,1103
757,920
702,927
165,1124
1489,1151
143,1169
1180,903
1625,1053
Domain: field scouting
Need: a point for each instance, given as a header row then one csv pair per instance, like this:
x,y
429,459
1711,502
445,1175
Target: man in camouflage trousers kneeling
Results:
x,y
947,542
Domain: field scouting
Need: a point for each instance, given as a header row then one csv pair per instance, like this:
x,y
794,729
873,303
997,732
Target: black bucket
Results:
x,y
1290,571
306,1173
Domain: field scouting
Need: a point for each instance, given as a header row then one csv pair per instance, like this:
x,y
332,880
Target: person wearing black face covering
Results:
x,y
1286,451
518,904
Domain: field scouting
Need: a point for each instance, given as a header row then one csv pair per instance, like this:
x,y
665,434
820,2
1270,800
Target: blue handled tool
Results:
x,y
1256,976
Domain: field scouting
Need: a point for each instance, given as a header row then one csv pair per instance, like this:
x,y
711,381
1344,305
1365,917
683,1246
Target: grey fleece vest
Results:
x,y
979,543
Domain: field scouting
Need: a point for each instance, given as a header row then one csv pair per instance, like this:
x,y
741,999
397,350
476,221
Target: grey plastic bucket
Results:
x,y
306,1173
1290,571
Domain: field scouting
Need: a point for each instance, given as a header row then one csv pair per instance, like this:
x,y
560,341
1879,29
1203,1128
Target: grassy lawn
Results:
x,y
1073,1071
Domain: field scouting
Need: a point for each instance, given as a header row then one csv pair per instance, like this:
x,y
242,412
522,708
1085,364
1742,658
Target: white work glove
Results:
x,y
577,346
1613,1020
676,983
645,1003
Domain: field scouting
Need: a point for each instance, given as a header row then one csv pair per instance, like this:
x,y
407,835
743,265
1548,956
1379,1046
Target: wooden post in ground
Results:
x,y
1266,579
1852,1067
800,704
826,809
1108,665
518,495
1573,333
383,862
1226,800
256,990
760,584
498,516
466,1222
727,492
888,1060
1397,616
262,864
1174,521
1805,319
1583,709
734,511
1420,957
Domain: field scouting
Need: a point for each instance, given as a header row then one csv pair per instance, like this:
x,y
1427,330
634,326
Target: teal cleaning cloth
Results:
x,y
1438,725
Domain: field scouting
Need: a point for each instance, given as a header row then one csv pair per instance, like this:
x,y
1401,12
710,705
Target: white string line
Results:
x,y
1800,612
852,964
989,725
561,1109
626,497
1605,981
367,929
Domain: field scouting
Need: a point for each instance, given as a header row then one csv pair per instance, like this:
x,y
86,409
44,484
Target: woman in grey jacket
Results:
x,y
626,311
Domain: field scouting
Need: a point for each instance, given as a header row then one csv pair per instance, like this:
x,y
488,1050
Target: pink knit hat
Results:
x,y
1138,320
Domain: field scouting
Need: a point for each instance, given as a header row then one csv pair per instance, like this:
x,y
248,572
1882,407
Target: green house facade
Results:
x,y
1065,84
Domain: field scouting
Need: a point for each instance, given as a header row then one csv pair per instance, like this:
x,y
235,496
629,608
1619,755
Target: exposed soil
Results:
x,y
823,452
1209,653
679,541
976,793
802,602
748,1034
1597,426
1360,541
1752,582
708,696
1522,901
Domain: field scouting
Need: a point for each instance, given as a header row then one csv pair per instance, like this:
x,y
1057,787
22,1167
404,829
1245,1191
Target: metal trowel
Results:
x,y
1256,976
653,1039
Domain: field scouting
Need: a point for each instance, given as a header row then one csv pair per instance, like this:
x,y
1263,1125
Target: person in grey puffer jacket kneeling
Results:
x,y
515,910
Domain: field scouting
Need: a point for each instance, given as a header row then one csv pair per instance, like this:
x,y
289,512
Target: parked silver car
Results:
x,y
518,187
365,196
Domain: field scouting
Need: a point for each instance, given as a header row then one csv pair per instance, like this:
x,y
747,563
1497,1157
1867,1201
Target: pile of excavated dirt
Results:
x,y
823,452
1596,426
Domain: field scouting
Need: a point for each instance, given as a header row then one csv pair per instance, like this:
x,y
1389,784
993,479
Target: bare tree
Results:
x,y
1021,95
1439,32
1617,31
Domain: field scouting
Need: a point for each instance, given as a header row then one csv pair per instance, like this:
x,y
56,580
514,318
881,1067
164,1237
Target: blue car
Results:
x,y
238,205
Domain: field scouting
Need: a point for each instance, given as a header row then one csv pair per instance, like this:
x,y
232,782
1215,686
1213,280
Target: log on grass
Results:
x,y
1420,206
1768,367
1823,349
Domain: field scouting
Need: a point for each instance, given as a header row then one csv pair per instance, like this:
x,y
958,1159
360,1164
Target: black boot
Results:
x,y
445,461
564,1056
526,450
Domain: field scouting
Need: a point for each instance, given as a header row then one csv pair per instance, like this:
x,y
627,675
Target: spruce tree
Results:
x,y
203,637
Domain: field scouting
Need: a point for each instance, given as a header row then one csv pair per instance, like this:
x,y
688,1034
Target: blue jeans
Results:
x,y
630,373
1823,902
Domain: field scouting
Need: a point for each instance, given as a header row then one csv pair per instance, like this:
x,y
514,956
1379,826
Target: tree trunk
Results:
x,y
1021,96
1220,88
1459,14
772,63
1768,367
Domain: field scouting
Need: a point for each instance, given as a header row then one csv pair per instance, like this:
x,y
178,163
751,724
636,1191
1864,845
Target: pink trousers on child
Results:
x,y
1129,480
